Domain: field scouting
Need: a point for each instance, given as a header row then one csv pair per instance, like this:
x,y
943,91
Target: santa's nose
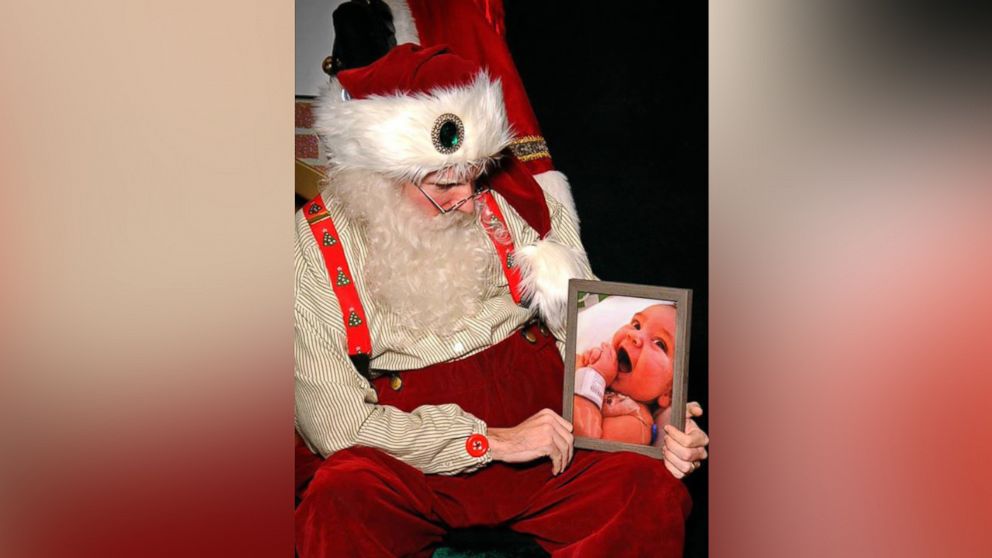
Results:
x,y
467,207
458,195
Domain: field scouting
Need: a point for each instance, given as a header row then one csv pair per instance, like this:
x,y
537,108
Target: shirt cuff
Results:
x,y
458,460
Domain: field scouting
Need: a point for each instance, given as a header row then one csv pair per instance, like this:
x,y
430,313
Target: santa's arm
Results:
x,y
337,408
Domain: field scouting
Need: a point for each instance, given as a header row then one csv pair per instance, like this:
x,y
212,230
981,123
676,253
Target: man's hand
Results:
x,y
544,434
685,451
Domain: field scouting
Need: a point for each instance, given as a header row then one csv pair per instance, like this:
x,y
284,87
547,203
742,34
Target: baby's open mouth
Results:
x,y
623,360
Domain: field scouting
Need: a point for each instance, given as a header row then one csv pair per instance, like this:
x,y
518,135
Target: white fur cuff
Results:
x,y
556,185
545,268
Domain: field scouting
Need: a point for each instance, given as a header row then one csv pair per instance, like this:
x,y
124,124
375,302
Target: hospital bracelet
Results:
x,y
591,385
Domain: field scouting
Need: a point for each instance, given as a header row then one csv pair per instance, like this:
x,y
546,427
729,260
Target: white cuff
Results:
x,y
590,384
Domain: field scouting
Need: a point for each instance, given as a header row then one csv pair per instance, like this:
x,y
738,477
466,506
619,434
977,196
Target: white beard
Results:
x,y
428,272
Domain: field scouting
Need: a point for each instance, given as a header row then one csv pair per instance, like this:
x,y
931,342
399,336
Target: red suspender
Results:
x,y
355,321
499,234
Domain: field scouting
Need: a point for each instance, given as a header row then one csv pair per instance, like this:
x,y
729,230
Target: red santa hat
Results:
x,y
418,110
414,111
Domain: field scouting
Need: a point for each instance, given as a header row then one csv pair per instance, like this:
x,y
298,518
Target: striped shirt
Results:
x,y
336,407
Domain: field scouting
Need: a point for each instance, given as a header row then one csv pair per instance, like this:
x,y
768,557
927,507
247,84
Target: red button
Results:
x,y
477,445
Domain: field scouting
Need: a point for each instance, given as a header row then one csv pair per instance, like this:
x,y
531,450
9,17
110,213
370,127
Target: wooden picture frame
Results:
x,y
623,335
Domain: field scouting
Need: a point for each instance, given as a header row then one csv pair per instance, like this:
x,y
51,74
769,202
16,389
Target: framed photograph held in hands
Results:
x,y
627,349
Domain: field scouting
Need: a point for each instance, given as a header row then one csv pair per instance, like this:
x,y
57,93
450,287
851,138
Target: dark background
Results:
x,y
620,91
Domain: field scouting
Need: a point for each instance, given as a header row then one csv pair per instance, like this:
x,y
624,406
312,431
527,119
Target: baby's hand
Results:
x,y
603,359
587,358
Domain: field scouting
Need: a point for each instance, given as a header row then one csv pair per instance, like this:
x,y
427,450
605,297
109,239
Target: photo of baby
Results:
x,y
623,386
625,365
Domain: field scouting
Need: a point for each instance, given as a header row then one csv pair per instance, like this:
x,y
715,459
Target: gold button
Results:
x,y
544,329
529,335
396,382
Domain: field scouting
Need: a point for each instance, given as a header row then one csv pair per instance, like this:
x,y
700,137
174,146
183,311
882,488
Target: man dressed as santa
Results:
x,y
431,281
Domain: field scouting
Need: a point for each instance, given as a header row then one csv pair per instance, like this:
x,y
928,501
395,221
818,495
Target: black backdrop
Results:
x,y
620,91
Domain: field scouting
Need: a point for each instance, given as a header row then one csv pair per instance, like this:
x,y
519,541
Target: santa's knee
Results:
x,y
362,502
650,486
343,497
344,484
335,515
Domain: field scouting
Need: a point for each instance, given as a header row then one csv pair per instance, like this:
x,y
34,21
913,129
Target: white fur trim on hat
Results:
x,y
403,23
392,134
556,185
545,268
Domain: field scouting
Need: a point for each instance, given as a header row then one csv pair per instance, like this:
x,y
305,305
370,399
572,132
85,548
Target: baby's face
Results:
x,y
645,350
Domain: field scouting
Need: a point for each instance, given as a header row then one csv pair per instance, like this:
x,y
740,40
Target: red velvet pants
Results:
x,y
362,502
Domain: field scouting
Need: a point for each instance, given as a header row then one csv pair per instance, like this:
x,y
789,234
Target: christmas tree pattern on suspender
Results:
x,y
324,232
353,319
342,279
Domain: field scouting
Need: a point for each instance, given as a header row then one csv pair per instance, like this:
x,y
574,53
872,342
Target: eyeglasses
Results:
x,y
478,192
